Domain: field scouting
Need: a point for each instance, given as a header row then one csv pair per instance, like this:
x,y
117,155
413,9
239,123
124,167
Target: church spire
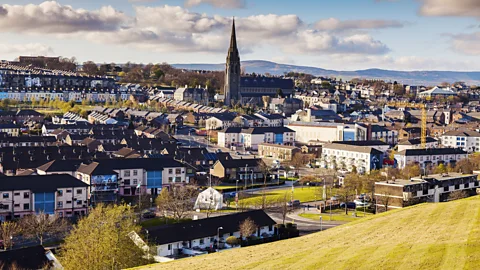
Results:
x,y
233,38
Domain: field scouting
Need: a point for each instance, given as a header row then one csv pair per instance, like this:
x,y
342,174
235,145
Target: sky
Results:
x,y
331,34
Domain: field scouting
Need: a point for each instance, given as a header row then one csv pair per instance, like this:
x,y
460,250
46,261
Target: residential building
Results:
x,y
468,140
271,120
276,151
382,133
427,158
342,156
285,106
245,170
193,95
60,194
220,121
437,92
328,132
409,133
250,138
186,238
379,145
11,129
417,144
435,188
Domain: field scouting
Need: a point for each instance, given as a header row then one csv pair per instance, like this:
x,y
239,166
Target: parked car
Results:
x,y
360,203
350,205
294,203
149,214
334,198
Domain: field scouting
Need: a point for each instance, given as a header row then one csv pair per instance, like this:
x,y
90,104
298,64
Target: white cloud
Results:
x,y
311,41
51,17
464,8
336,24
26,49
467,43
230,4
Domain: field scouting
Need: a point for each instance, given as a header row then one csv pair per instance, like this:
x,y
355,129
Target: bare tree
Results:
x,y
247,228
8,230
457,195
300,160
41,225
177,201
265,169
283,206
384,200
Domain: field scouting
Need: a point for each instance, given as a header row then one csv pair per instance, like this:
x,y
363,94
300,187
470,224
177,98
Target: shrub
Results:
x,y
232,241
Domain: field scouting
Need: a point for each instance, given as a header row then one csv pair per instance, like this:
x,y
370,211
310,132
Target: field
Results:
x,y
337,215
304,194
426,236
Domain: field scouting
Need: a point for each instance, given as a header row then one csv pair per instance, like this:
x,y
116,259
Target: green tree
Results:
x,y
103,240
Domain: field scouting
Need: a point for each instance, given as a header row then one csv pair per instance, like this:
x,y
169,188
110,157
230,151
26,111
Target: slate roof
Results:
x,y
240,163
462,133
431,152
362,143
266,82
263,130
40,183
352,148
207,227
24,258
104,166
416,141
61,165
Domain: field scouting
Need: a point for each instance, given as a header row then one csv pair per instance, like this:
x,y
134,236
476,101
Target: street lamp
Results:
x,y
245,175
218,236
321,220
236,195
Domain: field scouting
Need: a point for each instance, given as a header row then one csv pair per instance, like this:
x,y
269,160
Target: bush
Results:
x,y
232,241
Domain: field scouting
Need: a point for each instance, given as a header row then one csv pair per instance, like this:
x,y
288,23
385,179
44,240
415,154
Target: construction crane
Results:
x,y
421,106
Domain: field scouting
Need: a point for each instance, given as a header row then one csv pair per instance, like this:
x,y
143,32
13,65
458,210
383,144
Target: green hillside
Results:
x,y
427,236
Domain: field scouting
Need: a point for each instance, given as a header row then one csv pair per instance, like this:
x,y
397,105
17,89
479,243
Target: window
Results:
x,y
69,191
126,182
170,179
5,206
17,205
6,195
59,204
202,241
79,191
59,193
466,185
16,194
178,171
127,191
270,228
169,247
170,171
126,173
69,202
135,181
135,172
457,186
79,202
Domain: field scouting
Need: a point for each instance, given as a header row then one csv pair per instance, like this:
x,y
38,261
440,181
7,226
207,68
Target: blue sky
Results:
x,y
332,34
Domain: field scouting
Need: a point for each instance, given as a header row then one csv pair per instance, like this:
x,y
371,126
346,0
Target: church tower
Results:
x,y
232,71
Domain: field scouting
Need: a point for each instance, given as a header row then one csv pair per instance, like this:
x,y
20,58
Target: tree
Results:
x,y
279,93
300,160
441,168
90,68
232,241
265,170
411,170
384,200
266,101
282,205
177,201
103,240
8,230
457,194
247,228
41,225
465,166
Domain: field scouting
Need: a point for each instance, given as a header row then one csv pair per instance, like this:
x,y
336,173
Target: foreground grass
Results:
x,y
427,236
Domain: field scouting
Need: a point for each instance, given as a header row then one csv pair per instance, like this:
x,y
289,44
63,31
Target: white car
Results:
x,y
360,203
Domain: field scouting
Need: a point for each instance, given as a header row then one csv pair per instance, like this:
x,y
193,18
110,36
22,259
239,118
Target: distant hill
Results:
x,y
426,236
406,77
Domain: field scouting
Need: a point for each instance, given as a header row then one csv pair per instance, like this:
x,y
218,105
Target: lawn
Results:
x,y
426,236
159,221
336,216
304,194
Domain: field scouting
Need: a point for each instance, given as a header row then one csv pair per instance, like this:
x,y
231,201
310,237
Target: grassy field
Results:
x,y
426,236
304,194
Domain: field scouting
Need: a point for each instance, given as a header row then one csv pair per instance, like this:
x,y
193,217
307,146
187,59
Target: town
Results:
x,y
122,165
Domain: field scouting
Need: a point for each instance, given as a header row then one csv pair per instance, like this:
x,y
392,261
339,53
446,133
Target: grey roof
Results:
x,y
266,82
416,141
431,152
263,130
40,183
462,133
352,148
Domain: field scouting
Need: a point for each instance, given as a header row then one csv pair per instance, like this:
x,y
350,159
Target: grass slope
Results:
x,y
427,236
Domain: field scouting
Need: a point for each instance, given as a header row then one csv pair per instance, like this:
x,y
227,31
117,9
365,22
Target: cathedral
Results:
x,y
249,89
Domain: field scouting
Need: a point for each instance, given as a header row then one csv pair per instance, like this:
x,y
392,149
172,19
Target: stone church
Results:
x,y
249,90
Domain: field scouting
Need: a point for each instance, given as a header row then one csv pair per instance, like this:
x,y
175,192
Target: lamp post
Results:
x,y
321,221
252,179
245,175
236,195
218,236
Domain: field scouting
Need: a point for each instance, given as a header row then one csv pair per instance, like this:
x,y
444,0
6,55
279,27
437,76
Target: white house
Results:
x,y
416,144
220,121
196,236
429,157
468,140
343,156
250,138
327,132
271,120
209,199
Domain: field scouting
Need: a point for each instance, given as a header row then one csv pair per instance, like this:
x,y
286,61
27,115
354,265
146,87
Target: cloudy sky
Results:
x,y
333,34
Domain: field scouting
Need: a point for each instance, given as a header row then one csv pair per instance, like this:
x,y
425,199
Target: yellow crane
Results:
x,y
421,106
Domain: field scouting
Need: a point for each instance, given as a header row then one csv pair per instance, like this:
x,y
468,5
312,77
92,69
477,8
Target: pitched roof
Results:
x,y
417,141
266,82
431,152
462,133
40,183
352,148
24,258
239,163
362,143
206,227
61,165
263,130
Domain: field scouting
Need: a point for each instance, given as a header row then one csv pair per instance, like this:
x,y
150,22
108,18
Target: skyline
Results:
x,y
351,35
